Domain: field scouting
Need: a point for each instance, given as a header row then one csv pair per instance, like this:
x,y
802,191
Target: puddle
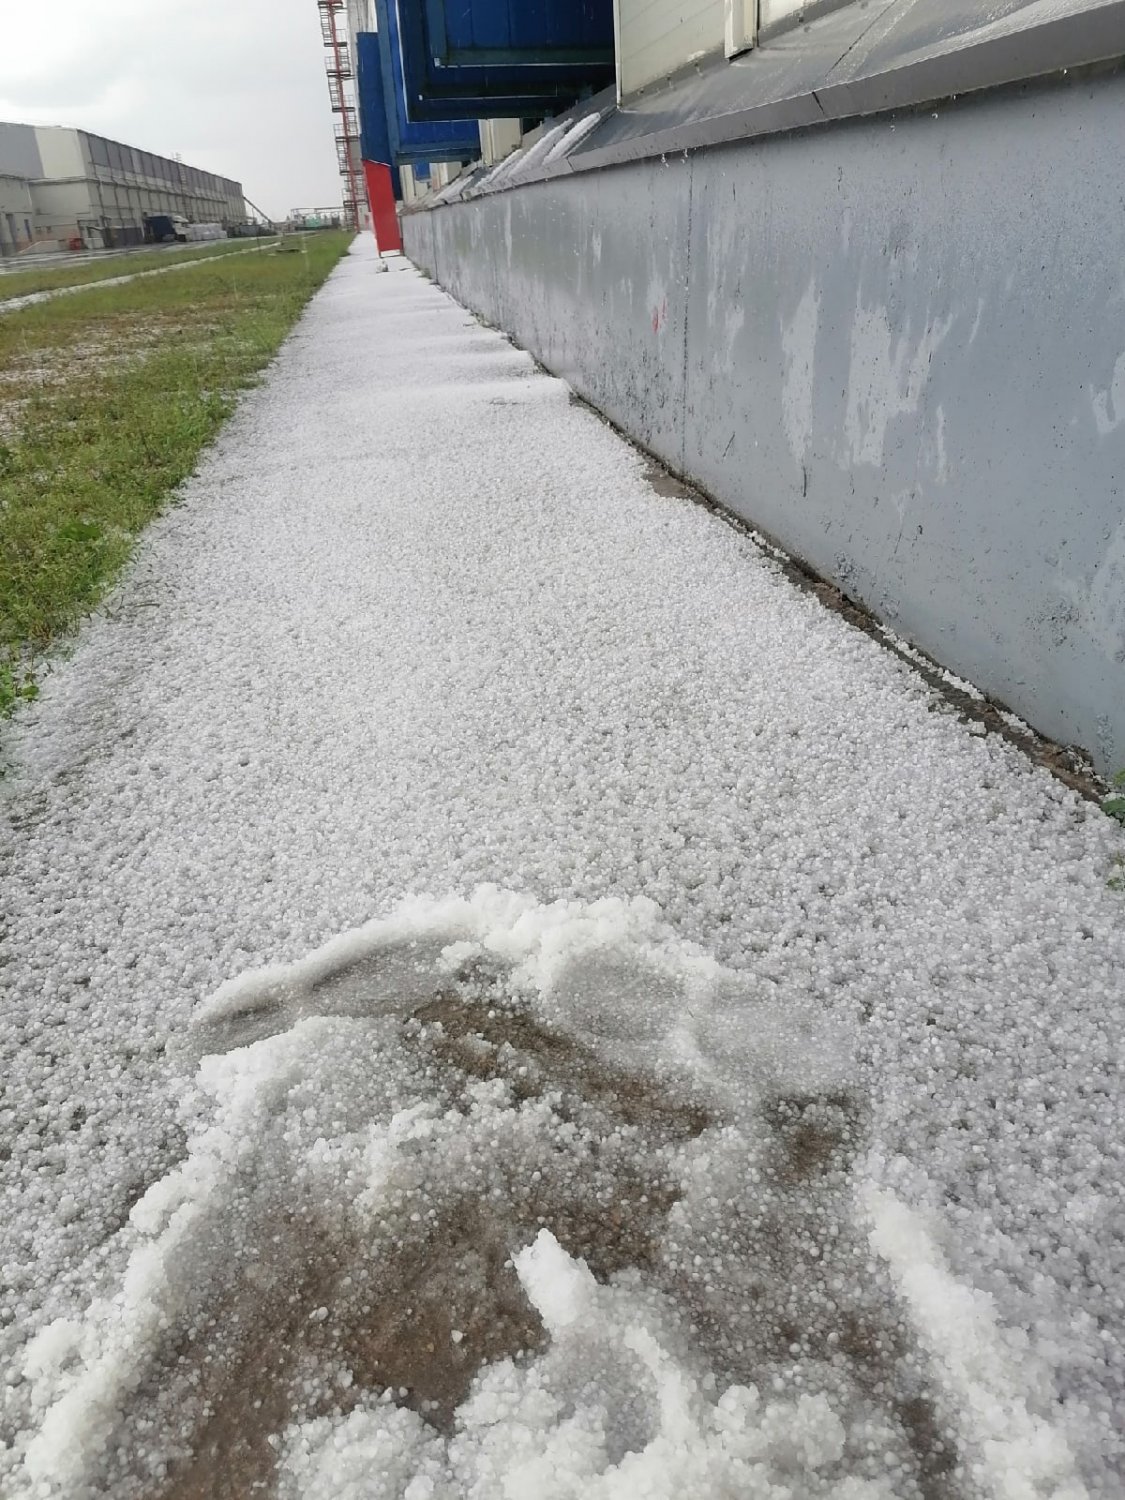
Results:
x,y
664,482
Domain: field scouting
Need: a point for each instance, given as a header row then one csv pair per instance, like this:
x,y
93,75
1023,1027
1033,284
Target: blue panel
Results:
x,y
535,86
520,32
374,133
411,141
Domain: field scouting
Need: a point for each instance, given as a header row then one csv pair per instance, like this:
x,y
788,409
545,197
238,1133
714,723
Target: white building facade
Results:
x,y
61,187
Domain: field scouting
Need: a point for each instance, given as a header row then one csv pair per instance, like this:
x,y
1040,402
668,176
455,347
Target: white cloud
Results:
x,y
235,89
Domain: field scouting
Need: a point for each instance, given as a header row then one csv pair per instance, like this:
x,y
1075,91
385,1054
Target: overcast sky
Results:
x,y
234,86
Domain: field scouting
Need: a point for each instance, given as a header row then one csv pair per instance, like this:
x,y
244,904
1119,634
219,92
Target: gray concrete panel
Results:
x,y
558,264
19,151
904,359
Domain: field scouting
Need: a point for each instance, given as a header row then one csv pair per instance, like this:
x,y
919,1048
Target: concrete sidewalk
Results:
x,y
421,623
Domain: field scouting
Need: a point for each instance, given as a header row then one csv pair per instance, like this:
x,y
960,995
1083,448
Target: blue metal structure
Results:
x,y
516,33
403,140
374,132
497,59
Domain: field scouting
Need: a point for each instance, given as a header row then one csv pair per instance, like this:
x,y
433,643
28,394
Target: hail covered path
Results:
x,y
723,1097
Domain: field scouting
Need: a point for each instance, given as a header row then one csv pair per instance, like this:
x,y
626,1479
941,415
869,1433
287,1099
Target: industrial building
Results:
x,y
63,188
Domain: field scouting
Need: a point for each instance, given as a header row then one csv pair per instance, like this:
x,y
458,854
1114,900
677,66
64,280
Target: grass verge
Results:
x,y
106,400
54,278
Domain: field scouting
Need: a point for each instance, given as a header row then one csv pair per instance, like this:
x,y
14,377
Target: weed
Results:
x,y
53,278
1114,804
17,685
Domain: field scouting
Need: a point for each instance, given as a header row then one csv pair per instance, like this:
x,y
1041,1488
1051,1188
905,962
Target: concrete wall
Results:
x,y
60,207
658,37
774,11
19,151
16,213
896,345
498,139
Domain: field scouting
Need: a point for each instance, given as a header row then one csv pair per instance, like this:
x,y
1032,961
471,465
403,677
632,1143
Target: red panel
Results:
x,y
381,197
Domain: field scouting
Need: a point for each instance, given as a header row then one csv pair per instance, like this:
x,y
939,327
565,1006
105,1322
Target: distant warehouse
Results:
x,y
61,187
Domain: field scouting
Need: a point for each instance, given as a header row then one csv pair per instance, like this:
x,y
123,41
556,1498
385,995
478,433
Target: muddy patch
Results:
x,y
487,1041
417,1311
665,483
304,1302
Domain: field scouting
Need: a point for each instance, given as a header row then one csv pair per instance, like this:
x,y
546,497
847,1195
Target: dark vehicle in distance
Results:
x,y
161,229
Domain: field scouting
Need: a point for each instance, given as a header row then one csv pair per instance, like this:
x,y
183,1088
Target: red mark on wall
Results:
x,y
660,316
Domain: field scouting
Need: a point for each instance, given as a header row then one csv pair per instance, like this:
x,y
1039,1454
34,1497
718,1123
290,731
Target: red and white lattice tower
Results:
x,y
337,63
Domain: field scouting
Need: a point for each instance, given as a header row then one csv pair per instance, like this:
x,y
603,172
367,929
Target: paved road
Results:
x,y
816,1067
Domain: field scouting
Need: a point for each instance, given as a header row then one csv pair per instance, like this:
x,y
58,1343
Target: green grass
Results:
x,y
51,278
1114,804
107,398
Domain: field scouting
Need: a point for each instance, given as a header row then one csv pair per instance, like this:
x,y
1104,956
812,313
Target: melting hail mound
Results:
x,y
607,1411
494,1199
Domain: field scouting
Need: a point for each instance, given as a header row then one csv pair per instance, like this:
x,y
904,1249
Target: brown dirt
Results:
x,y
420,1316
392,1316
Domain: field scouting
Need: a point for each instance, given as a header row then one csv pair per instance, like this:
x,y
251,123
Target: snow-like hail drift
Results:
x,y
495,1199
